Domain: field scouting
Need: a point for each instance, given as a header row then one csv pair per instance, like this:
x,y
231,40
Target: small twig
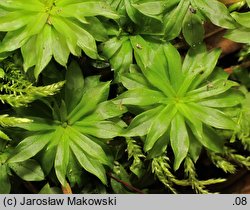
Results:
x,y
228,2
66,189
30,187
212,33
231,181
126,184
230,69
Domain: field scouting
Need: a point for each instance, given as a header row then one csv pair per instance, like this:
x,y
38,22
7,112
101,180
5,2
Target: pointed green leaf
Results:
x,y
90,147
4,136
174,65
148,61
74,86
28,170
91,82
29,147
134,81
192,29
159,126
159,147
212,117
110,47
171,4
198,70
212,141
151,9
228,99
29,5
211,89
15,39
50,190
142,122
207,66
142,52
173,21
62,158
195,148
90,165
88,103
63,111
179,139
59,47
217,12
47,157
74,173
187,82
14,20
30,59
194,123
4,180
141,97
100,129
240,35
106,110
242,18
67,32
90,8
131,11
84,39
158,60
44,49
99,32
38,124
193,58
123,58
67,2
70,13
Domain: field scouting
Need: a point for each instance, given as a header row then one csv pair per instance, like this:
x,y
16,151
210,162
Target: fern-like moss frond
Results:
x,y
222,163
191,174
162,169
135,152
17,90
237,158
6,121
